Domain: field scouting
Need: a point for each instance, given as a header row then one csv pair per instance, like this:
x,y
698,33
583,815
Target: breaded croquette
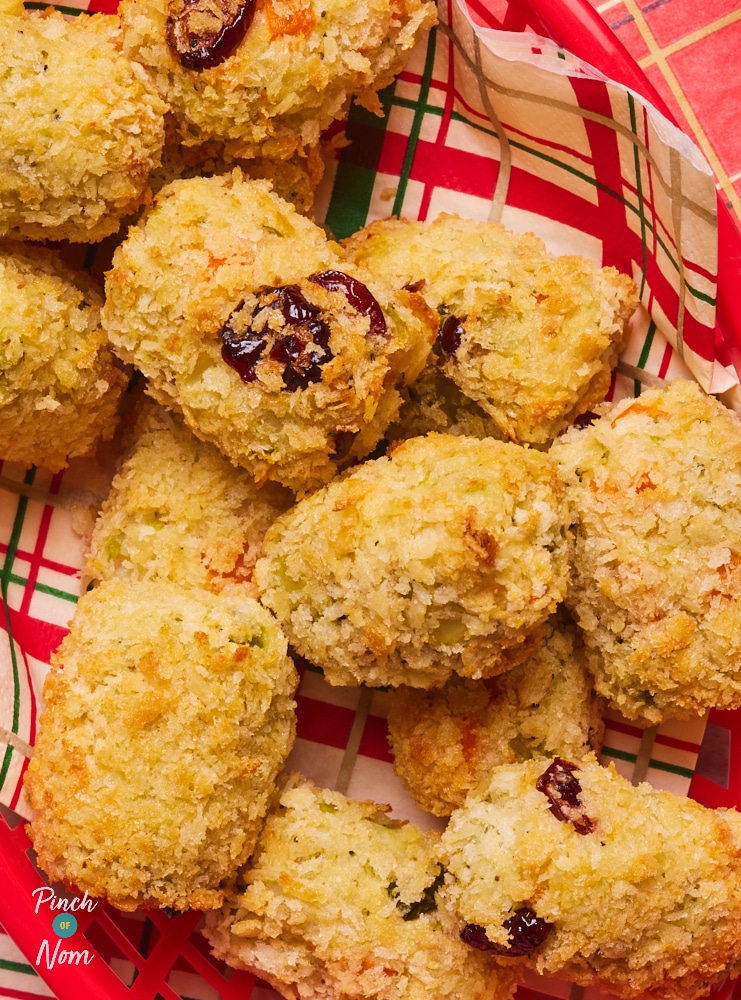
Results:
x,y
339,900
570,869
273,88
179,510
448,556
241,315
61,384
446,741
655,490
75,159
169,713
530,337
295,180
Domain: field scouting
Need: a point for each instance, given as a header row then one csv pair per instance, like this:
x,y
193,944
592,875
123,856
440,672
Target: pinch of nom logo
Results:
x,y
64,926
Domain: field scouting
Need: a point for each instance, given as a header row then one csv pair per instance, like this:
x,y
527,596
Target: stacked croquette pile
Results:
x,y
363,454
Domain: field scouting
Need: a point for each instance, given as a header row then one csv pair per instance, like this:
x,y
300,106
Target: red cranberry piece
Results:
x,y
450,334
303,365
295,308
357,294
302,351
526,933
195,48
242,352
562,789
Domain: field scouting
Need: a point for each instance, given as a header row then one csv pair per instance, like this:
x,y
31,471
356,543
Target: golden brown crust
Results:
x,y
179,510
446,741
447,556
288,79
208,255
340,901
75,160
169,713
60,384
537,335
645,903
654,487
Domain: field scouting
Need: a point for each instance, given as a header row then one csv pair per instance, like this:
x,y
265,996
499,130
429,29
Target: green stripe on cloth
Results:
x,y
619,754
8,966
419,116
43,588
661,765
357,167
70,11
645,353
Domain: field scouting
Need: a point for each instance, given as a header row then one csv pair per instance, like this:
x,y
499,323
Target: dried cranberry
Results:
x,y
204,33
242,352
357,294
562,789
526,933
294,307
302,351
450,334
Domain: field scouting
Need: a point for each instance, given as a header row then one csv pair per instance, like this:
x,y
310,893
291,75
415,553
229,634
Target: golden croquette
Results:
x,y
60,384
446,741
569,869
654,487
241,315
448,556
339,900
75,158
530,337
179,510
169,713
286,80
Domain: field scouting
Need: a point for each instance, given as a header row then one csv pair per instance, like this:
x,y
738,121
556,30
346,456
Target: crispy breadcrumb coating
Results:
x,y
447,556
223,259
631,890
291,75
339,900
295,180
169,713
530,337
445,742
179,510
75,157
60,384
655,491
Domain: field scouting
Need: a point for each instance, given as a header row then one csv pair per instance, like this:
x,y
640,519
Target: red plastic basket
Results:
x,y
152,955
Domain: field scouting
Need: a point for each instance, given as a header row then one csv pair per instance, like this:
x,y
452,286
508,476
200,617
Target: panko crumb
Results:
x,y
339,900
179,510
529,337
290,77
169,713
626,889
82,127
654,486
61,384
447,741
446,556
